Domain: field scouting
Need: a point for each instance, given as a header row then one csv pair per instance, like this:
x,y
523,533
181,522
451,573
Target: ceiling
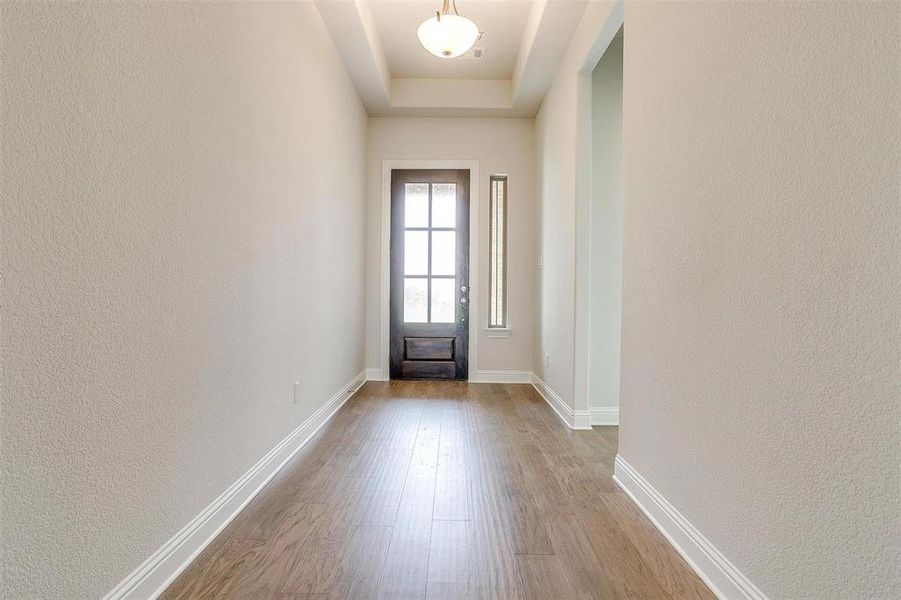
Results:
x,y
524,42
501,22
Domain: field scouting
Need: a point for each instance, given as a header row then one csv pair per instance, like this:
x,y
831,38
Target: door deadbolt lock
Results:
x,y
462,288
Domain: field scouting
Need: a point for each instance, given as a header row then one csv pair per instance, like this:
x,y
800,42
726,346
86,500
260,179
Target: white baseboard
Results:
x,y
603,416
375,375
152,577
723,578
574,419
502,377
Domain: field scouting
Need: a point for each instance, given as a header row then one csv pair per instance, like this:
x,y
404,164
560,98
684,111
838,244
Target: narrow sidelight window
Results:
x,y
497,286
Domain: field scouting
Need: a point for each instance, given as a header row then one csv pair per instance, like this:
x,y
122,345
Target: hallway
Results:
x,y
443,490
646,252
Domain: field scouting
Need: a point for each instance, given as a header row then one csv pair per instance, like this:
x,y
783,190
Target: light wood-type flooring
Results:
x,y
449,491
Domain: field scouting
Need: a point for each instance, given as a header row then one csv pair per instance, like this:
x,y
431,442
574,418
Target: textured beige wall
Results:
x,y
182,234
555,141
761,326
500,146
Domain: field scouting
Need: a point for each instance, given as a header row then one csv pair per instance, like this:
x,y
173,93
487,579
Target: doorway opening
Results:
x,y
606,235
429,274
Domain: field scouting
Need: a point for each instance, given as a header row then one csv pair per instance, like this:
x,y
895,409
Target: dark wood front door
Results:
x,y
429,274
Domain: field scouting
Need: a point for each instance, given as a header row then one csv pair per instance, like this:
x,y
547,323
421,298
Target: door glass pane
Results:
x,y
444,252
416,205
444,205
416,253
443,296
416,291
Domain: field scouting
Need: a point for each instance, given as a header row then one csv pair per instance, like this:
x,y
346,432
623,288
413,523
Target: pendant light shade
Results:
x,y
447,35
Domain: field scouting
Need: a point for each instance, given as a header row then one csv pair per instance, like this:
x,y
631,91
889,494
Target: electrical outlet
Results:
x,y
296,392
547,360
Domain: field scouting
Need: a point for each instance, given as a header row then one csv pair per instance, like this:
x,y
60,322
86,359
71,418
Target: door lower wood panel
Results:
x,y
436,348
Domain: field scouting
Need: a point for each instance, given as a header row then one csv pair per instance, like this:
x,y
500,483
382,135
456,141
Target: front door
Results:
x,y
429,274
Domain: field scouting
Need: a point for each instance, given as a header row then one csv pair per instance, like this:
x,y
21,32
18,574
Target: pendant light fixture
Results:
x,y
447,35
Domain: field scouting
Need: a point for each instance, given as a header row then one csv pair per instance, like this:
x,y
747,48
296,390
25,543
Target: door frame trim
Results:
x,y
385,255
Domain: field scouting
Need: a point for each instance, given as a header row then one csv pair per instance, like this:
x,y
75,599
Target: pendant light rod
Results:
x,y
446,7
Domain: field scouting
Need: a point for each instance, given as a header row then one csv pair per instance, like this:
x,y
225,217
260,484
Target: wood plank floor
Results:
x,y
443,491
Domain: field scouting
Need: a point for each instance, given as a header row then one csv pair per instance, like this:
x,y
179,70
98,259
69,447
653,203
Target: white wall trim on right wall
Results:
x,y
375,374
606,415
502,377
574,419
720,575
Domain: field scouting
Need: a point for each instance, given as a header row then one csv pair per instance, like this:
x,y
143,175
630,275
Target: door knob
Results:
x,y
462,300
462,288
